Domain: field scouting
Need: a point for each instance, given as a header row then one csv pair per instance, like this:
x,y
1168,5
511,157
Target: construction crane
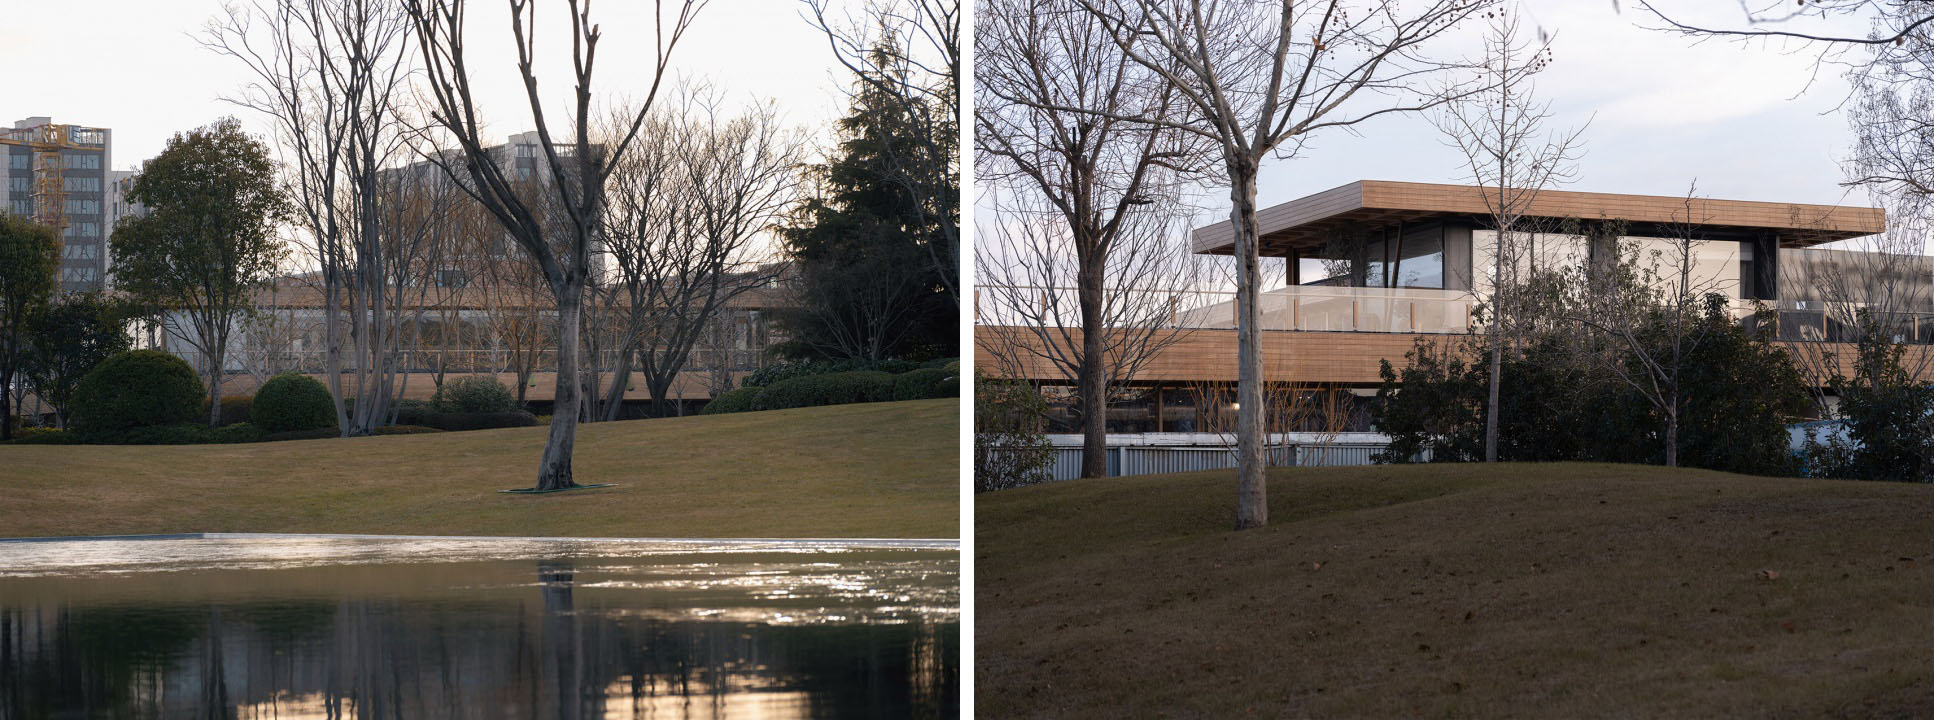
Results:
x,y
47,140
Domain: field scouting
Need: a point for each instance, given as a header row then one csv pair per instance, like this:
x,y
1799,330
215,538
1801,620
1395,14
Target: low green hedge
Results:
x,y
464,421
741,400
831,389
45,436
175,434
193,434
779,372
926,383
235,408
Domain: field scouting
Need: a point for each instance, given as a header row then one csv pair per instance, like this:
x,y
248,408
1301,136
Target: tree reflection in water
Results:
x,y
296,645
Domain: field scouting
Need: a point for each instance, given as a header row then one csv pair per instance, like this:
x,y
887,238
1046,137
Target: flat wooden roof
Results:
x,y
1312,220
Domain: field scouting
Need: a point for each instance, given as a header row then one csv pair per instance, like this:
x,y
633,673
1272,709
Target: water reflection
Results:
x,y
585,631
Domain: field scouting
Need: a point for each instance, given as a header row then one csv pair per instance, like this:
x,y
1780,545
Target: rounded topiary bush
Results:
x,y
829,389
926,383
740,400
473,394
138,388
292,401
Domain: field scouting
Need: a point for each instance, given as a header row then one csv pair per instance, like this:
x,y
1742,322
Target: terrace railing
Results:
x,y
1300,307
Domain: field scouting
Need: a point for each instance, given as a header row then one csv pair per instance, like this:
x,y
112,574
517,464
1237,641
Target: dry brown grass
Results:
x,y
1460,591
871,470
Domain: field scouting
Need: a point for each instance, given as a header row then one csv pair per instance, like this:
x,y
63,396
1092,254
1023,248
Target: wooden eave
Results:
x,y
1312,220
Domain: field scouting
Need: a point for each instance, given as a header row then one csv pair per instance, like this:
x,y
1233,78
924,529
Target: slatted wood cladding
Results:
x,y
1295,356
1311,220
1210,356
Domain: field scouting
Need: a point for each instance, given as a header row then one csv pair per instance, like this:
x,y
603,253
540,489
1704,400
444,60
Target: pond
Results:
x,y
256,626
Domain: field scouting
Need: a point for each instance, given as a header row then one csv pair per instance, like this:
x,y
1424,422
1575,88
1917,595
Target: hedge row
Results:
x,y
779,372
424,417
859,386
740,400
838,389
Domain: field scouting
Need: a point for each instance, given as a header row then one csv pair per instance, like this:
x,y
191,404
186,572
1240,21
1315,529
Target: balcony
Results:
x,y
1308,308
1313,308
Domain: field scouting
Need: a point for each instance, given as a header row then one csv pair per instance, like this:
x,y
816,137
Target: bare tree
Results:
x,y
1509,154
330,73
909,51
1640,308
1043,302
1091,194
577,166
688,225
1824,294
1890,108
1256,80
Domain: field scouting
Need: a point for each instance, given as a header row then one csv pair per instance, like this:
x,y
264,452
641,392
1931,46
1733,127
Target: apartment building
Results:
x,y
70,165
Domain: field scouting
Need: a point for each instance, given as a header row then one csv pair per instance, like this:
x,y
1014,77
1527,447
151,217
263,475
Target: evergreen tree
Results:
x,y
29,260
865,245
68,338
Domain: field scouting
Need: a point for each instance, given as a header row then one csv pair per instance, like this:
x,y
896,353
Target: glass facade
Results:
x,y
1211,408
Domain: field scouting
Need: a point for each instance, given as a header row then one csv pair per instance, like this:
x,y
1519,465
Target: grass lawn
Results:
x,y
1458,591
871,470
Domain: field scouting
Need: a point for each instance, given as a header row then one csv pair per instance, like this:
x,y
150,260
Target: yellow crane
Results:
x,y
47,141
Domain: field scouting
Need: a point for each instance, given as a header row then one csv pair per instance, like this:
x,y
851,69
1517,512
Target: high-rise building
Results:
x,y
84,188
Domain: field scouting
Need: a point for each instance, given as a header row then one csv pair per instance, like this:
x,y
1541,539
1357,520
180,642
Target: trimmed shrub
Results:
x,y
235,409
831,389
406,430
138,388
464,421
44,436
293,401
925,383
778,372
766,376
473,394
894,367
176,434
740,400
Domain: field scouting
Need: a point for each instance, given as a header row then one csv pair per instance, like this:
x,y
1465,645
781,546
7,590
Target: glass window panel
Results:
x,y
1131,410
1421,260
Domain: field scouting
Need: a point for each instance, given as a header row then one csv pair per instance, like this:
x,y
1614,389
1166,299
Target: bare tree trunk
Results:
x,y
554,470
214,360
1252,501
6,403
1672,433
1092,382
1491,398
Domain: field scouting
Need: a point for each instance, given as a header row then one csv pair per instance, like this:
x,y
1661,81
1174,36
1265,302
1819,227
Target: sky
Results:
x,y
1744,122
138,68
1659,113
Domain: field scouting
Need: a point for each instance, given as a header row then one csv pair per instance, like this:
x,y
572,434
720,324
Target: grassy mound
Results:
x,y
1463,591
873,470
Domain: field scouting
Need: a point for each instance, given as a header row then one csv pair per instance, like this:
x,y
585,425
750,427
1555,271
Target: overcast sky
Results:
x,y
136,66
1663,112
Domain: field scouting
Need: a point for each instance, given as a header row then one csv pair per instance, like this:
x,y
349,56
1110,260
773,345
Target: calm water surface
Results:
x,y
346,627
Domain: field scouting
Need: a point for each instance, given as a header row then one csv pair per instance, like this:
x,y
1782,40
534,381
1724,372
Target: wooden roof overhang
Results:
x,y
1311,221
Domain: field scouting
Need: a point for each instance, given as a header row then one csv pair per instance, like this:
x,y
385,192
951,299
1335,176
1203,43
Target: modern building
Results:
x,y
68,165
1370,267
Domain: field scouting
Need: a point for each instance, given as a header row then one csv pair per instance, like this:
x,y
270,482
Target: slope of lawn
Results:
x,y
1460,591
869,470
